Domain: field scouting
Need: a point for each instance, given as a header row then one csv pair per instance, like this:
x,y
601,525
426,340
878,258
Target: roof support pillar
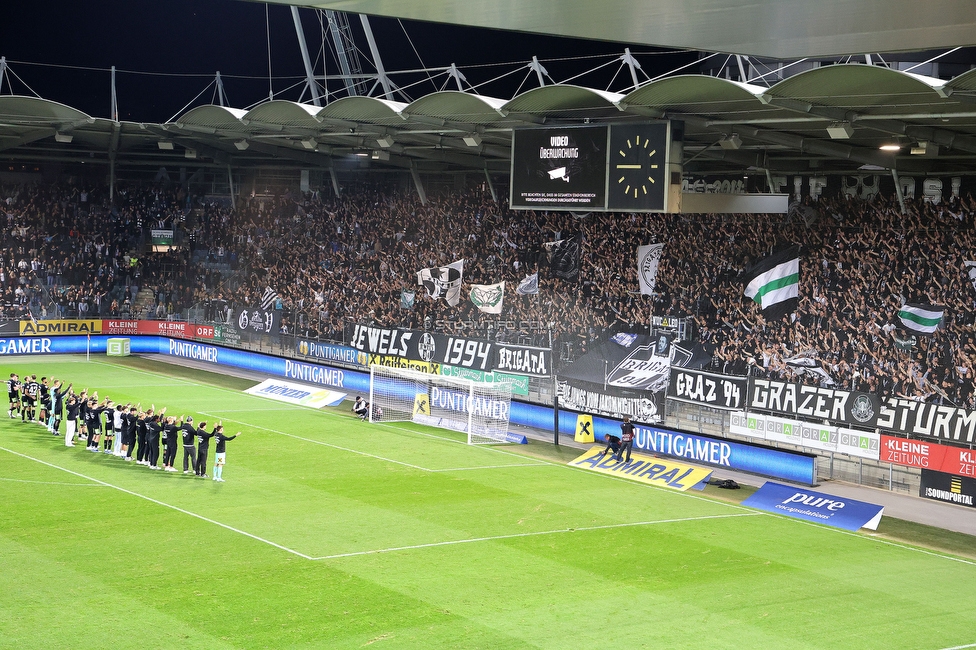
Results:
x,y
313,88
536,67
230,183
633,64
221,97
491,185
898,192
377,59
418,183
114,108
335,180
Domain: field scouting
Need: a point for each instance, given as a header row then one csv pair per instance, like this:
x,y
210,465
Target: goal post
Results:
x,y
479,409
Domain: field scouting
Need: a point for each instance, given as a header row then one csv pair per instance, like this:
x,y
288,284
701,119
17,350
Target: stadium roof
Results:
x,y
783,29
829,119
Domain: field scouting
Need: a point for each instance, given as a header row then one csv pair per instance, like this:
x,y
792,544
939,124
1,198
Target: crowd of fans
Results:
x,y
336,261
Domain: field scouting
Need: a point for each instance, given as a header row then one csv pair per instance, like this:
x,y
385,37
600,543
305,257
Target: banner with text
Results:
x,y
646,469
641,406
862,444
944,487
839,406
815,506
708,389
431,347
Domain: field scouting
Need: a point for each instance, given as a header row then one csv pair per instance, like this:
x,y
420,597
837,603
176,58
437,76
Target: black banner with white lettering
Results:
x,y
432,347
611,402
948,488
708,389
259,321
841,406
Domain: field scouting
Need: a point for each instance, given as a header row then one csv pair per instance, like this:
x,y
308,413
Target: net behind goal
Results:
x,y
479,409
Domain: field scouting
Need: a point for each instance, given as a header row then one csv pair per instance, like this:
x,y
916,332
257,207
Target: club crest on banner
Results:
x,y
488,297
648,260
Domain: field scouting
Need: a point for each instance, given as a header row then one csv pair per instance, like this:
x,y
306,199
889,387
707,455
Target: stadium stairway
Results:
x,y
145,299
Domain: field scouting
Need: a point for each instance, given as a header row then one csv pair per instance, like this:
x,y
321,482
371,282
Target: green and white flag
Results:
x,y
921,318
774,283
488,297
407,298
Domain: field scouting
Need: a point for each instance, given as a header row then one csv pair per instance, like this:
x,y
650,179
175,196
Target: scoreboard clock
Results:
x,y
638,167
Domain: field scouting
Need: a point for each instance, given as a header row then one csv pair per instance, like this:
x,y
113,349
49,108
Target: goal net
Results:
x,y
479,409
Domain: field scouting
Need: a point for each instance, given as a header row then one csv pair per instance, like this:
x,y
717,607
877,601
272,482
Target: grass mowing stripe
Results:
x,y
580,469
465,469
873,538
319,442
158,502
534,534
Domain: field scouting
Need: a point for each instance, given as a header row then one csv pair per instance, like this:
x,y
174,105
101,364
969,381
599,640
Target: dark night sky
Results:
x,y
177,39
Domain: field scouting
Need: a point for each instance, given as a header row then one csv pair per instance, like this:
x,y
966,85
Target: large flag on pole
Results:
x,y
564,257
529,286
648,259
774,283
921,318
268,299
443,280
488,297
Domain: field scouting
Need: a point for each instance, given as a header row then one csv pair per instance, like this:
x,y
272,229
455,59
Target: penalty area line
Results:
x,y
159,503
961,647
557,531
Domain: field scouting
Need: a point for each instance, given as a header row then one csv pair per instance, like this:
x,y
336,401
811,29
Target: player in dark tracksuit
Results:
x,y
189,435
57,407
130,422
44,397
74,408
142,450
153,428
203,448
93,420
170,430
13,392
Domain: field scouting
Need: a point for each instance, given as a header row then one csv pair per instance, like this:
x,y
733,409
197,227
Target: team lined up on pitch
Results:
x,y
124,430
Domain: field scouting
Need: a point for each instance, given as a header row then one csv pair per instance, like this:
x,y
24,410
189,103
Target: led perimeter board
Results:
x,y
621,167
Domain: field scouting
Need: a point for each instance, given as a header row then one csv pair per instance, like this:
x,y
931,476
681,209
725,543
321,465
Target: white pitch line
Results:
x,y
960,647
532,534
466,469
158,502
20,480
367,454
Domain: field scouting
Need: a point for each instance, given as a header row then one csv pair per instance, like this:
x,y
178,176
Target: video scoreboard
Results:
x,y
620,167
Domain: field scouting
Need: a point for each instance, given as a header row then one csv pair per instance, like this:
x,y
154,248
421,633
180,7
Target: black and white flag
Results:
x,y
268,299
529,286
564,257
443,281
648,259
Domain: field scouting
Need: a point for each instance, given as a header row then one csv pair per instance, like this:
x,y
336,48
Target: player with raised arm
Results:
x,y
221,457
203,448
13,393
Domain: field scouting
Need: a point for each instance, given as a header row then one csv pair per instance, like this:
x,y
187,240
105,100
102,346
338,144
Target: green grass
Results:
x,y
331,533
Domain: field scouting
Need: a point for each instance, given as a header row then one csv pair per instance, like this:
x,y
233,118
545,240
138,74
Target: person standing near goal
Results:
x,y
626,439
221,457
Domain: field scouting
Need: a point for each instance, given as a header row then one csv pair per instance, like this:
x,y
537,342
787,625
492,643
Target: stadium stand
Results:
x,y
338,261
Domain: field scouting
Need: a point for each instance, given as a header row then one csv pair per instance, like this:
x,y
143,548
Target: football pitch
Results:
x,y
333,533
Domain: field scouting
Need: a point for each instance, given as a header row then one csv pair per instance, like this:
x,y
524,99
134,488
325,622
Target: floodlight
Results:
x,y
730,141
386,141
242,145
380,155
165,145
63,137
310,143
473,140
840,130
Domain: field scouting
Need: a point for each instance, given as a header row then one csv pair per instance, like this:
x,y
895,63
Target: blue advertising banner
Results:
x,y
330,352
815,506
